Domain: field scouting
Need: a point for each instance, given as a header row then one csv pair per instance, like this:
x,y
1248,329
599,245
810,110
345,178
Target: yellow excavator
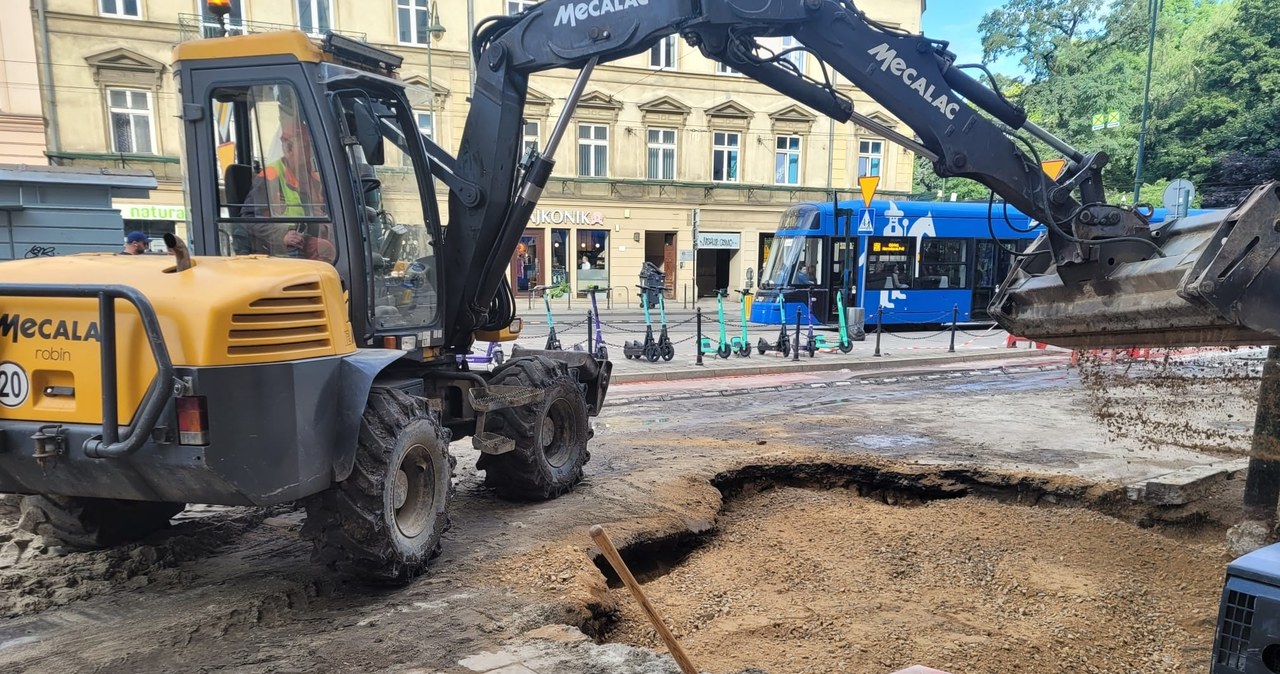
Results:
x,y
314,347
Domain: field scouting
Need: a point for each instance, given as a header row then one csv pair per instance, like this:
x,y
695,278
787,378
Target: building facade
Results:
x,y
659,141
22,134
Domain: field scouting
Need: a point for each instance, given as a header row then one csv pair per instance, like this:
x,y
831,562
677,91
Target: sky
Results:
x,y
956,21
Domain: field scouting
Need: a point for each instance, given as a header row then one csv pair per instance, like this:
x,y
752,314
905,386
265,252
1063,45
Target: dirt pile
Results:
x,y
825,581
34,577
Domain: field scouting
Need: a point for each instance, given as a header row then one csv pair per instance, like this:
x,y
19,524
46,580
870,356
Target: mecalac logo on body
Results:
x,y
15,327
574,12
889,62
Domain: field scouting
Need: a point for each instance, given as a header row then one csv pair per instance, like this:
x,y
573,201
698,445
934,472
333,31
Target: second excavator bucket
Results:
x,y
1217,284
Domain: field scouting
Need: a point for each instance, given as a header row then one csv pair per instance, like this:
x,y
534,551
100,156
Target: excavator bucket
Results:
x,y
1217,284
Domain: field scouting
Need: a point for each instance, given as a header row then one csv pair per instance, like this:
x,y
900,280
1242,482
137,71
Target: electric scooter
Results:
x,y
599,349
493,355
846,344
553,342
783,345
723,349
742,345
648,349
666,348
814,341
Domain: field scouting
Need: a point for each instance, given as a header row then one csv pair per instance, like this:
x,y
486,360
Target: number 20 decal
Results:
x,y
14,385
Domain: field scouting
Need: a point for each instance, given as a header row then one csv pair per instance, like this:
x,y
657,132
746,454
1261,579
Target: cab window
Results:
x,y
272,197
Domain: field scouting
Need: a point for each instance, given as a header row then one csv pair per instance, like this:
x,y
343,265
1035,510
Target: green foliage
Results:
x,y
930,187
1215,86
558,290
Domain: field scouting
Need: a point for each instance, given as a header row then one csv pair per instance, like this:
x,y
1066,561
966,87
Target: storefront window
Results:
x,y
559,257
526,261
890,263
592,259
943,263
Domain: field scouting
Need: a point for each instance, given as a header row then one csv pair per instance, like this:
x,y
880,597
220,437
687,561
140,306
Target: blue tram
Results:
x,y
915,260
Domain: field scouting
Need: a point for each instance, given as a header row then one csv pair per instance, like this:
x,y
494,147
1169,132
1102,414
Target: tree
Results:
x,y
1035,31
929,186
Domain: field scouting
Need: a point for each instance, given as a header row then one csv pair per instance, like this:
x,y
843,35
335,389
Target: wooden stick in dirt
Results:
x,y
615,560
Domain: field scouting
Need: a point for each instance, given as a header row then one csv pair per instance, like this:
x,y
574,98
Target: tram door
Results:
x,y
992,266
836,279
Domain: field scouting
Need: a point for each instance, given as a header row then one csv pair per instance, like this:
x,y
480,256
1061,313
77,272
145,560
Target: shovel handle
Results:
x,y
602,540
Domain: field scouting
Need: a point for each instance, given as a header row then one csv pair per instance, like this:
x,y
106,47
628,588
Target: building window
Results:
x,y
210,26
662,56
593,150
532,137
593,259
315,16
725,147
662,154
722,69
559,257
414,18
128,9
796,57
426,124
132,130
516,6
786,164
870,156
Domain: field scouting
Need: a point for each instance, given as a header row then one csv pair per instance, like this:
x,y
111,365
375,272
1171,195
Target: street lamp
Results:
x,y
435,31
1153,9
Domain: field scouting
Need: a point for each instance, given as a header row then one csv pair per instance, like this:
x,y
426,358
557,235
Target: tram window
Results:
x,y
944,263
891,263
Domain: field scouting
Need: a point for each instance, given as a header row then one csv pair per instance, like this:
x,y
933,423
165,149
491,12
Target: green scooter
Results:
x,y
742,345
723,349
553,341
846,343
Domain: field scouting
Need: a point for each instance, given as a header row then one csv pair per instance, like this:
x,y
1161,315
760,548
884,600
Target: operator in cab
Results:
x,y
290,186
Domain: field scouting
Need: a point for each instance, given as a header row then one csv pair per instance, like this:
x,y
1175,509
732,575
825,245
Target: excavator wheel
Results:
x,y
91,523
384,522
550,436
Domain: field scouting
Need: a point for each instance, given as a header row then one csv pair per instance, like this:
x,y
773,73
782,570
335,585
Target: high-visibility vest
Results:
x,y
291,197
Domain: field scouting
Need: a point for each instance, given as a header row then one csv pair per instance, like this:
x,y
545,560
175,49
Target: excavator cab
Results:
x,y
315,152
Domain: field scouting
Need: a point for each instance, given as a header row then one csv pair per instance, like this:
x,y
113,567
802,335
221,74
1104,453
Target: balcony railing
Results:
x,y
197,27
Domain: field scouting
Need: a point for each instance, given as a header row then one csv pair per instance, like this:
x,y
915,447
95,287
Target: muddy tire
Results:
x,y
385,521
93,523
550,436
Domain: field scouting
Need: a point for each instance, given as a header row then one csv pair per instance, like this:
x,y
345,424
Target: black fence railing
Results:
x,y
198,27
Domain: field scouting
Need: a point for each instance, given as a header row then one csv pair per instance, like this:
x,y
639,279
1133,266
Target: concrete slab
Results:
x,y
487,661
1183,486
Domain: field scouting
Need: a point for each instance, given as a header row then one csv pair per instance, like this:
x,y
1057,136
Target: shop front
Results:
x,y
154,220
716,254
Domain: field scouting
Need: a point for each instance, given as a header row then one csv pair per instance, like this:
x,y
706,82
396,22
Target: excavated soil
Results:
x,y
800,580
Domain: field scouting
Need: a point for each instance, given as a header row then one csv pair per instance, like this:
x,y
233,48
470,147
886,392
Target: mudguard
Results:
x,y
356,377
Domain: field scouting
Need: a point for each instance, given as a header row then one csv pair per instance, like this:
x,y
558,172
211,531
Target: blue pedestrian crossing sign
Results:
x,y
866,221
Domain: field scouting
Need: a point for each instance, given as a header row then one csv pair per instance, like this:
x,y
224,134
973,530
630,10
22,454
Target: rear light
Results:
x,y
193,420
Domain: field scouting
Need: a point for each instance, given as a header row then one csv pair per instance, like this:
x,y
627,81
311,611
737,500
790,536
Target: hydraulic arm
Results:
x,y
965,128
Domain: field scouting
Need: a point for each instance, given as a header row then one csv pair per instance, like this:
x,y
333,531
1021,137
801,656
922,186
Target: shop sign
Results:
x,y
153,212
562,216
714,240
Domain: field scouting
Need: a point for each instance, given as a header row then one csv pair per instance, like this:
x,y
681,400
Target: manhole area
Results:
x,y
802,580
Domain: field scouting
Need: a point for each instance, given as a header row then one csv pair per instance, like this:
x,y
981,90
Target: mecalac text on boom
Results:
x,y
574,12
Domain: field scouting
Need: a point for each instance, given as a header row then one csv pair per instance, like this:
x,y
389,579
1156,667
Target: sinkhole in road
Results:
x,y
857,569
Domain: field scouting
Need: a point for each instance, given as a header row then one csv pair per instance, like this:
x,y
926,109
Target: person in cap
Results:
x,y
136,243
288,187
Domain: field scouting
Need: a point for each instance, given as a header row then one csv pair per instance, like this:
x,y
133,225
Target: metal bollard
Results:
x,y
531,298
879,328
699,337
795,348
684,304
955,315
590,334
